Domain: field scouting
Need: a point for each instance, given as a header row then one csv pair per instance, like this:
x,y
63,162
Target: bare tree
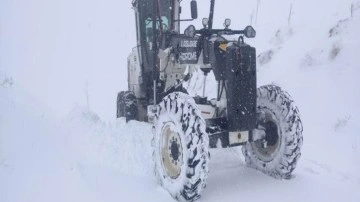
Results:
x,y
86,91
257,10
290,13
251,18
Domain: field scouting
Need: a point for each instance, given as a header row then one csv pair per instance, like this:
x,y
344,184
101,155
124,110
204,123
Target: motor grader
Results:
x,y
263,120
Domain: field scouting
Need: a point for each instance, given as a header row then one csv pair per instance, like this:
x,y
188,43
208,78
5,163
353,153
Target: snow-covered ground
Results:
x,y
62,63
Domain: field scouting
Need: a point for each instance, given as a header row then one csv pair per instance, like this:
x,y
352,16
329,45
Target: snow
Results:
x,y
54,146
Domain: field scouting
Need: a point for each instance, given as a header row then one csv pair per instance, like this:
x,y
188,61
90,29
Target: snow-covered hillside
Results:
x,y
62,63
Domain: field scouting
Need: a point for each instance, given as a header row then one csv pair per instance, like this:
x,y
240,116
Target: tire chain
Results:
x,y
196,144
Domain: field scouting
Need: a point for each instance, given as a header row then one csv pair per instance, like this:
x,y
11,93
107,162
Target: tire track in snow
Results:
x,y
317,168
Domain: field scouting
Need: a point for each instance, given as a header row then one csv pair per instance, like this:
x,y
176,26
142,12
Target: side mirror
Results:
x,y
194,11
249,32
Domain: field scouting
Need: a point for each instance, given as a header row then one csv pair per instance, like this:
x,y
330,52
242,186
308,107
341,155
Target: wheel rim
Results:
x,y
171,150
267,148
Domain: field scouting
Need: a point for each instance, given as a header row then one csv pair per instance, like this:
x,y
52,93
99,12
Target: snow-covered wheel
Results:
x,y
277,154
180,147
126,105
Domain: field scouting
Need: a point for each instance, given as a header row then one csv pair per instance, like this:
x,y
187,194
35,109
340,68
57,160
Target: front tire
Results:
x,y
278,153
180,147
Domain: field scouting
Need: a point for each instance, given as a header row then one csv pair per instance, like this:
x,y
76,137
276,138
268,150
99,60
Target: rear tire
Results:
x,y
277,154
126,105
180,147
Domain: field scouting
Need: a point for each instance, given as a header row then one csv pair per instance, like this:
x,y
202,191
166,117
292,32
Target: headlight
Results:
x,y
227,23
190,31
249,32
205,22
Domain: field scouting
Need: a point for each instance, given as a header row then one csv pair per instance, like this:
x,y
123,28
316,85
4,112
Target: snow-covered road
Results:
x,y
81,158
56,146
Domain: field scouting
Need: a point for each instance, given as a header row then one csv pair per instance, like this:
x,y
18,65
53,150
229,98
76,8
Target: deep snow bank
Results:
x,y
78,158
317,63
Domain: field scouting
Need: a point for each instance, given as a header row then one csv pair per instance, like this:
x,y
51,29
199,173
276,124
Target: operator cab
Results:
x,y
155,30
150,26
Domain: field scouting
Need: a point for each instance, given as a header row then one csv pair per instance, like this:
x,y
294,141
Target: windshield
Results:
x,y
165,13
146,23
